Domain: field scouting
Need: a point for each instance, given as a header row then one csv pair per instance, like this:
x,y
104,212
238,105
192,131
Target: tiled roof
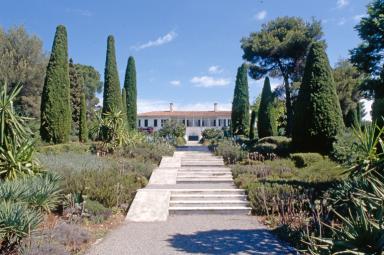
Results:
x,y
186,114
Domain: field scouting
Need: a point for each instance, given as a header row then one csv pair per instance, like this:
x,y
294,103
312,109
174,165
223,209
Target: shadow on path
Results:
x,y
232,241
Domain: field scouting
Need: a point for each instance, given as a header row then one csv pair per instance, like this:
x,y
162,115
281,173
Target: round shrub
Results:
x,y
306,159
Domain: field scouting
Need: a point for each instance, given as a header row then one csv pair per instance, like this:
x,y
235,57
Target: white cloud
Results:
x,y
148,105
167,38
341,22
215,69
209,81
260,15
342,3
175,83
359,17
81,12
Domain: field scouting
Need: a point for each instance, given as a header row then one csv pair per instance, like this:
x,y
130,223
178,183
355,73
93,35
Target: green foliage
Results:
x,y
212,135
345,148
240,104
131,90
76,88
22,203
112,96
172,130
78,148
280,145
148,152
252,125
230,151
24,62
124,104
16,148
347,80
306,159
83,127
279,49
318,117
92,84
369,56
55,100
266,125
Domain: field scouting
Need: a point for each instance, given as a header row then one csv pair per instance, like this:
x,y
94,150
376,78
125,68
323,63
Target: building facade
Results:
x,y
194,121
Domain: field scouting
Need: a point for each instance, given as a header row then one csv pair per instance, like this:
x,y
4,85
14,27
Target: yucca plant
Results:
x,y
16,146
358,204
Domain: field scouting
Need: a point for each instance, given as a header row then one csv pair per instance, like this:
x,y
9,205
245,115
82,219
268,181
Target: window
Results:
x,y
139,123
213,123
189,123
229,122
225,122
183,122
155,123
145,123
198,123
163,122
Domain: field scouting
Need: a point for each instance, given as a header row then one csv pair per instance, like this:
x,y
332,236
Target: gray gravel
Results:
x,y
192,234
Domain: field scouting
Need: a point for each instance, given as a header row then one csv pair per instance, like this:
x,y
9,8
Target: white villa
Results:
x,y
195,121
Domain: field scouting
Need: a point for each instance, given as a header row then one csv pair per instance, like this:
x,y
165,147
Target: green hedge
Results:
x,y
306,159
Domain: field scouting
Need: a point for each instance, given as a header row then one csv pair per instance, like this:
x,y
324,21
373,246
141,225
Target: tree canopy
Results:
x,y
55,100
240,103
131,90
318,117
279,49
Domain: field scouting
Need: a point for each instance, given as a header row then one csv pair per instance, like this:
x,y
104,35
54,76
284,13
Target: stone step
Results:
x,y
204,180
204,203
202,175
210,210
213,197
205,169
201,163
208,191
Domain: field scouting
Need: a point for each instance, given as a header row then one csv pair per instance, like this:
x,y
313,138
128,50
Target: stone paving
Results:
x,y
190,206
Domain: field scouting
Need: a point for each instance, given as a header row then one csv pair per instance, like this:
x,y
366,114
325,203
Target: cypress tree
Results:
x,y
83,128
318,117
124,105
240,104
76,85
112,96
131,90
55,100
252,125
266,121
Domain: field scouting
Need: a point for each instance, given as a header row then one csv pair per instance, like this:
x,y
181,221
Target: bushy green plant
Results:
x,y
306,159
279,145
172,130
16,146
214,134
345,148
265,148
78,148
230,151
152,152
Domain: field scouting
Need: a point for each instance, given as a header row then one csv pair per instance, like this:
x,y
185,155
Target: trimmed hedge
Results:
x,y
306,159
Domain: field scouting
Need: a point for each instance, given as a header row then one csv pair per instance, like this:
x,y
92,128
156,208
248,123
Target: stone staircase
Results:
x,y
218,194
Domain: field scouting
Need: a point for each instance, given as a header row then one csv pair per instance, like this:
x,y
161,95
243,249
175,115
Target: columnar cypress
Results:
x,y
252,125
318,117
83,128
55,100
240,104
131,90
112,96
124,105
266,121
76,85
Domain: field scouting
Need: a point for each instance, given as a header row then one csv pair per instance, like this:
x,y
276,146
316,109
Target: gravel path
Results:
x,y
192,234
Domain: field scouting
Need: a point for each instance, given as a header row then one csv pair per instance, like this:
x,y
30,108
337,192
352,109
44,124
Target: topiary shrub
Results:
x,y
306,159
345,149
265,148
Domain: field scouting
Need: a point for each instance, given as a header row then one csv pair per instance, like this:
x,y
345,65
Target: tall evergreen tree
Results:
x,y
131,90
83,128
318,117
266,120
240,104
112,96
76,85
55,100
124,103
252,125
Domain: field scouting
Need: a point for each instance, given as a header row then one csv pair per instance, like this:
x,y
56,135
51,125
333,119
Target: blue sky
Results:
x,y
186,52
